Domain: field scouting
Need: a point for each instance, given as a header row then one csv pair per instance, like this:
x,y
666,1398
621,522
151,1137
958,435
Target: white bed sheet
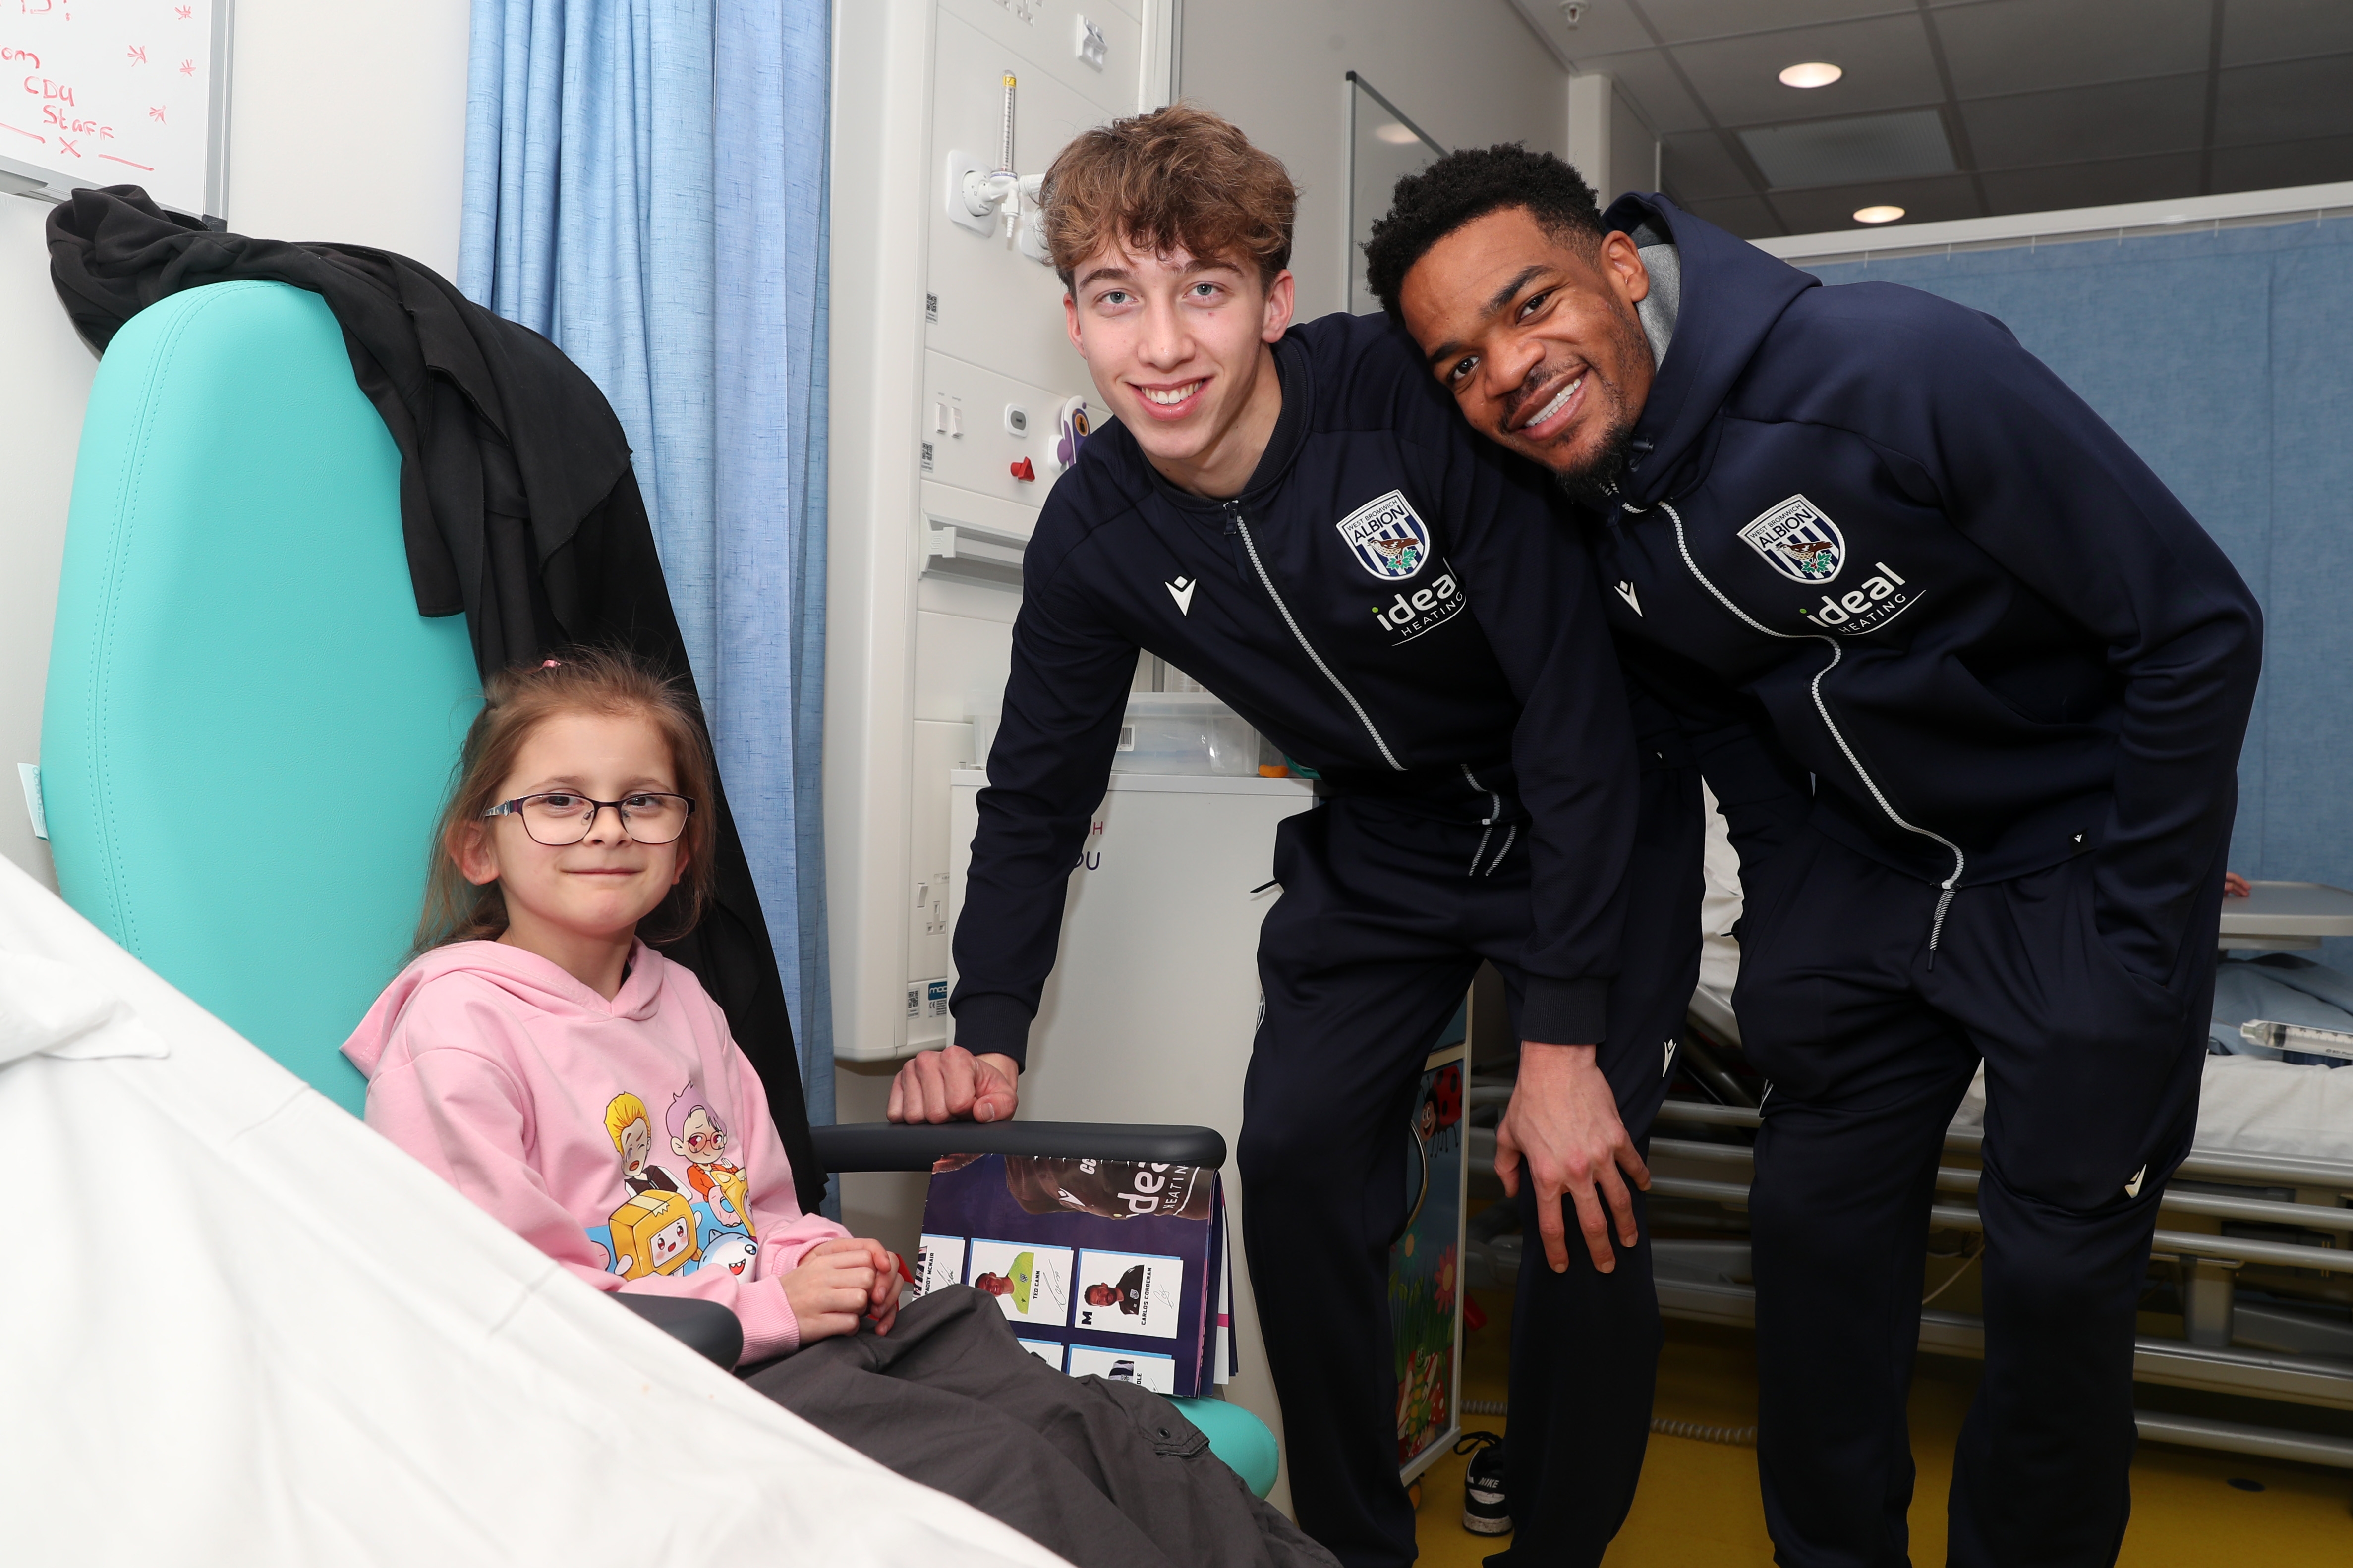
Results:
x,y
241,1328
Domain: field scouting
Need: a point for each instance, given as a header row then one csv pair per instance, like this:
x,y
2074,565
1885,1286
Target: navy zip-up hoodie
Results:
x,y
1865,535
1392,600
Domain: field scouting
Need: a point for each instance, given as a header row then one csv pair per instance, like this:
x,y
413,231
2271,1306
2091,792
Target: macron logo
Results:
x,y
1181,590
1626,592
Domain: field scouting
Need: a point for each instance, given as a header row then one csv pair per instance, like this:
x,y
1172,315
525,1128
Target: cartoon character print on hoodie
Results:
x,y
657,1230
551,1108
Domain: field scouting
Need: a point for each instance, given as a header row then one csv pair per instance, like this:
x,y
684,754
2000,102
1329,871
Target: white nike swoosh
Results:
x,y
1183,595
1626,592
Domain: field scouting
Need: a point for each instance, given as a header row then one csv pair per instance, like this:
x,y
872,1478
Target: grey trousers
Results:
x,y
1106,1474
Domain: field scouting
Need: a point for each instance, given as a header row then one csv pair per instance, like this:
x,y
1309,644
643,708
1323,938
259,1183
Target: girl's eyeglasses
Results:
x,y
561,818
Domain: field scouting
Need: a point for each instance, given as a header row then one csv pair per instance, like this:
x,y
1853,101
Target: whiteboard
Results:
x,y
110,92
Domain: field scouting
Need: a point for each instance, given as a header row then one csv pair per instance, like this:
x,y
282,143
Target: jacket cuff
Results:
x,y
1565,1012
990,1023
770,1330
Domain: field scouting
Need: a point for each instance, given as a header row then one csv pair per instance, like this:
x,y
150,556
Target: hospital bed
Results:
x,y
249,729
2262,1209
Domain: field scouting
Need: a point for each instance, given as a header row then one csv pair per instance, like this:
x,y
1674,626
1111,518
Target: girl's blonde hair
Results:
x,y
515,702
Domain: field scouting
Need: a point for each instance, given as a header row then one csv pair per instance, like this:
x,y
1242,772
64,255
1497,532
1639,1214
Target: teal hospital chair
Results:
x,y
249,729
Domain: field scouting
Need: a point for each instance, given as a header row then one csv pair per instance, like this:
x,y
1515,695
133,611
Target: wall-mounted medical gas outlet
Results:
x,y
1016,420
1094,48
974,197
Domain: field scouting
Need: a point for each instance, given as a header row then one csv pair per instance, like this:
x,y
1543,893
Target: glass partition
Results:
x,y
1384,146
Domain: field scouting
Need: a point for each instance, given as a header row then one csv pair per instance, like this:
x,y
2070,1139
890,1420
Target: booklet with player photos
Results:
x,y
1107,1266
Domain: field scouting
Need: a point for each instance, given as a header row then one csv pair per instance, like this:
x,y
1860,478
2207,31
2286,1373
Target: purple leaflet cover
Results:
x,y
1101,1266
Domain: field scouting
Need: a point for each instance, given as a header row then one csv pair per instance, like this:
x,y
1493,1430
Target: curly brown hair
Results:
x,y
1180,178
517,701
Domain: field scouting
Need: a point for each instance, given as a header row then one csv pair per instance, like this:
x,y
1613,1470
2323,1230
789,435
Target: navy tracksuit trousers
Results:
x,y
1387,908
1870,1040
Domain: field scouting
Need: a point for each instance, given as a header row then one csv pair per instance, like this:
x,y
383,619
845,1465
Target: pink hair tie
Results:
x,y
553,664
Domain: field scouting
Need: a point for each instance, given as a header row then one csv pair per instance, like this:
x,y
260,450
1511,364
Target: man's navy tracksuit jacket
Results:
x,y
1403,607
1970,684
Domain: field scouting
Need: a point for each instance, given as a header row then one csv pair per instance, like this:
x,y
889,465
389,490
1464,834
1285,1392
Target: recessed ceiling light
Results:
x,y
1396,135
1877,215
1812,73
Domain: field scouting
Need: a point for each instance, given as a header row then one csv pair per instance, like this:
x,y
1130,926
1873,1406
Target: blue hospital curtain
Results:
x,y
2225,358
631,189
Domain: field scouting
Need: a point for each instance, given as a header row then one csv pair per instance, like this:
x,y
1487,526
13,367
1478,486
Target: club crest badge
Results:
x,y
1389,538
1798,541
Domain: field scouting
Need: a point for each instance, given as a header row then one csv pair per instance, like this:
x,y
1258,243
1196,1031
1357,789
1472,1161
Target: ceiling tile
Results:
x,y
2115,121
1650,85
1698,167
2321,161
1747,217
2017,46
1901,146
1681,21
2284,102
1886,62
1922,201
2255,31
2065,186
1607,26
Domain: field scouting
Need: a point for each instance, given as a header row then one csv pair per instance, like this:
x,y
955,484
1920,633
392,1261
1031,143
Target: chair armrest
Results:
x,y
704,1327
890,1146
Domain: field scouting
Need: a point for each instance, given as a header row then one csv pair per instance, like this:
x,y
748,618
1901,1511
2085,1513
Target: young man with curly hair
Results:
x,y
1970,684
1294,517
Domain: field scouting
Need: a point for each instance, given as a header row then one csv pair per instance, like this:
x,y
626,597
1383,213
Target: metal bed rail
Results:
x,y
1706,1280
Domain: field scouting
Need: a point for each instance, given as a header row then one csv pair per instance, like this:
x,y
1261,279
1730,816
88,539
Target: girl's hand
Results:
x,y
833,1269
832,1289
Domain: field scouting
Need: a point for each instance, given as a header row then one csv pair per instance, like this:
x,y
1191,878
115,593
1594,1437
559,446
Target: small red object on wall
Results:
x,y
1025,471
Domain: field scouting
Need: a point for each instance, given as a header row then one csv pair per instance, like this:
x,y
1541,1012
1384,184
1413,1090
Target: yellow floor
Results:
x,y
1698,1503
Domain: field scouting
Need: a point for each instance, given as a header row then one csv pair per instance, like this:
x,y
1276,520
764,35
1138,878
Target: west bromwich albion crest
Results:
x,y
1801,543
1389,538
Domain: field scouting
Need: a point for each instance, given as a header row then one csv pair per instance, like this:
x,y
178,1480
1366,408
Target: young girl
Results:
x,y
564,1076
582,1088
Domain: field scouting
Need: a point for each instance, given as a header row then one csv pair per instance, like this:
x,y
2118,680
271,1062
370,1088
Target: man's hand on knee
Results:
x,y
1563,1125
954,1085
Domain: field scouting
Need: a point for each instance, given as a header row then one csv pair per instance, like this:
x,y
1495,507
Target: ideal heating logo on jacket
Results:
x,y
1865,607
1406,618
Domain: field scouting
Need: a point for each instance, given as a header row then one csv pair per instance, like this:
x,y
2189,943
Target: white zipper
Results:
x,y
1838,651
1494,810
1233,509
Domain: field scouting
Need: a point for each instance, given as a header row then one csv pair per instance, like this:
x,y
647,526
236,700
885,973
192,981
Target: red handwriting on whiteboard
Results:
x,y
43,88
136,54
156,114
187,67
182,12
34,135
66,146
27,56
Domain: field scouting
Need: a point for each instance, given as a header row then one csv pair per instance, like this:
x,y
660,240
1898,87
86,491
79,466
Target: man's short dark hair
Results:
x,y
1468,184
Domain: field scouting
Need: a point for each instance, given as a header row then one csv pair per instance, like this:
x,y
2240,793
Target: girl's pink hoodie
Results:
x,y
628,1140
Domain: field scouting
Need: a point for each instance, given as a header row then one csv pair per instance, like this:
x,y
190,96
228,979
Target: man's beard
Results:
x,y
1594,483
